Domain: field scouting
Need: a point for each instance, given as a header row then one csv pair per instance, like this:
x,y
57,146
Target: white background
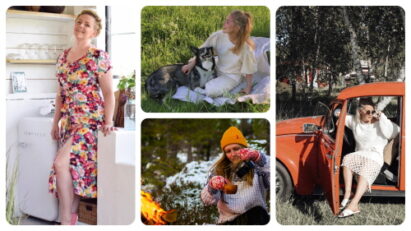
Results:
x,y
270,115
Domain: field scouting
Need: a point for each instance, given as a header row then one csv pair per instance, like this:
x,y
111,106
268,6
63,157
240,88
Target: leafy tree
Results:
x,y
328,42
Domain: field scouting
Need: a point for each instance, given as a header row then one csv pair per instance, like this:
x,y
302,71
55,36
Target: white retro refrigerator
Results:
x,y
36,151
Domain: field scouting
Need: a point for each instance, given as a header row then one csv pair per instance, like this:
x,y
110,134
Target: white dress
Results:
x,y
230,67
370,140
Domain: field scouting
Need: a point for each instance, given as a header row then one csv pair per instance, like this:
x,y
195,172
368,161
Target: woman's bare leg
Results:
x,y
348,175
64,182
359,192
74,206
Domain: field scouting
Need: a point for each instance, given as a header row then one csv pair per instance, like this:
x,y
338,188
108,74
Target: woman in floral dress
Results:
x,y
82,71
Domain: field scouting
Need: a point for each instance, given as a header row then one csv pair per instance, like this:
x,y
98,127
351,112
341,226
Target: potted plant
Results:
x,y
126,86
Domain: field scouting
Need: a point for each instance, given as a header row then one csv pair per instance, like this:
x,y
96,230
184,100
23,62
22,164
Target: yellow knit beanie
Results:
x,y
233,136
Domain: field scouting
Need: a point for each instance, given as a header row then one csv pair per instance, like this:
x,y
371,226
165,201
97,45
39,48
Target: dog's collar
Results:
x,y
204,69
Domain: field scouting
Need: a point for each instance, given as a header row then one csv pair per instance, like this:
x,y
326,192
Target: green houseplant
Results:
x,y
126,87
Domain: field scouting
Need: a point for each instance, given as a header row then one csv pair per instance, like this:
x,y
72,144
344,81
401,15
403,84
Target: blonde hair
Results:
x,y
244,21
96,18
223,167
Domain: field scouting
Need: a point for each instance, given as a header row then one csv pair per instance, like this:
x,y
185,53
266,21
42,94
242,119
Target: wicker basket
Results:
x,y
87,211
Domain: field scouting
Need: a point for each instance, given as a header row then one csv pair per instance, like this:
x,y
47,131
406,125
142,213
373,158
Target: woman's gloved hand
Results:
x,y
246,154
218,182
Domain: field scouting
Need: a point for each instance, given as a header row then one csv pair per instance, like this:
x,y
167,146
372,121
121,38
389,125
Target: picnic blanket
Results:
x,y
260,93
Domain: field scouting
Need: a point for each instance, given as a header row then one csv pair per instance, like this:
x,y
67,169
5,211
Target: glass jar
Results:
x,y
130,114
43,54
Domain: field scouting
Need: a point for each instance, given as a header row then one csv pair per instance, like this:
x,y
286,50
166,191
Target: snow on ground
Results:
x,y
182,157
193,172
259,141
196,174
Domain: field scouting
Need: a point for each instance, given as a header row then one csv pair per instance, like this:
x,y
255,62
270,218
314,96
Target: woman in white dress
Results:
x,y
372,130
235,51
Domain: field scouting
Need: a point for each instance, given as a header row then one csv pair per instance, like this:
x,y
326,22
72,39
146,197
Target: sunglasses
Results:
x,y
369,112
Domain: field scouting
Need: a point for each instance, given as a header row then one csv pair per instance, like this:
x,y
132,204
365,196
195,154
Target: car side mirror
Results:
x,y
337,112
310,128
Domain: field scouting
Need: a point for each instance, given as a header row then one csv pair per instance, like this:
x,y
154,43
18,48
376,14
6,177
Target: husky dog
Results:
x,y
168,78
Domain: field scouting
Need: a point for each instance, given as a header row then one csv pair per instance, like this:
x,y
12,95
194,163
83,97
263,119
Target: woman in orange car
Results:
x,y
372,130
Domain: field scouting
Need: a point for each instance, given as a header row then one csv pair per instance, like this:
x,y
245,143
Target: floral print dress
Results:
x,y
82,113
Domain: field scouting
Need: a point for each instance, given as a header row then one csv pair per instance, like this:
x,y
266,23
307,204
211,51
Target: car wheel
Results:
x,y
283,183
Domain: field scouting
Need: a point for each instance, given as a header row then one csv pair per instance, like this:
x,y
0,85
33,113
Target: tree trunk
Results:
x,y
330,84
387,61
246,128
172,147
304,75
189,152
293,90
208,151
317,52
354,47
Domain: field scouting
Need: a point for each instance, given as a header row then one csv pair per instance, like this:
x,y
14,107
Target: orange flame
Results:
x,y
153,214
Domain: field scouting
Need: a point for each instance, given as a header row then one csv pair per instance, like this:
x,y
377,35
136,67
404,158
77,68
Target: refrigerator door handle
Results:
x,y
22,145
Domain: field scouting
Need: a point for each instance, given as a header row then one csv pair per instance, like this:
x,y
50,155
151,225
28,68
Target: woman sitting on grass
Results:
x,y
371,131
238,183
235,51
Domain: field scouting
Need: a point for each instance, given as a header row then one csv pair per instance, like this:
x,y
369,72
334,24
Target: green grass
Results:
x,y
169,31
171,105
314,210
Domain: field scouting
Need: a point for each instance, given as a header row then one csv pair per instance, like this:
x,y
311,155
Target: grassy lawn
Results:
x,y
167,34
171,105
314,210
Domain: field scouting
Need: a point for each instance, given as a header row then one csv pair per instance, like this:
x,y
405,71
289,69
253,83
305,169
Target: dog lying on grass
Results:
x,y
167,78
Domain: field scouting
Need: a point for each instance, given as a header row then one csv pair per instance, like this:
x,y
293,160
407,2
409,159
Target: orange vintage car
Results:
x,y
309,150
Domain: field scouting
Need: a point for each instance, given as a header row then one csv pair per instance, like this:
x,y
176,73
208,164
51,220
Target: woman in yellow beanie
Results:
x,y
238,182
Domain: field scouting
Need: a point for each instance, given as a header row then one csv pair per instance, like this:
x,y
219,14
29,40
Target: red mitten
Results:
x,y
217,182
249,154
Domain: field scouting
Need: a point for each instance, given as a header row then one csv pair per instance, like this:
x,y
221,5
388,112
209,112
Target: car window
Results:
x,y
392,109
330,127
321,109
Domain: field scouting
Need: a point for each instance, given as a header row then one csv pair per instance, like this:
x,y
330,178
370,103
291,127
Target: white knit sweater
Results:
x,y
232,205
372,137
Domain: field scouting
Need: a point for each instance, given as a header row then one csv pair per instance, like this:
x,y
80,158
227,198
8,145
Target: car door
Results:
x,y
329,158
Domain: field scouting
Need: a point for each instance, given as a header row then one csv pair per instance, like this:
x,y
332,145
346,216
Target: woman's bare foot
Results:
x,y
353,207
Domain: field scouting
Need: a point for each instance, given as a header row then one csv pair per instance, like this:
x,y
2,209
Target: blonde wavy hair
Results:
x,y
224,167
96,18
244,21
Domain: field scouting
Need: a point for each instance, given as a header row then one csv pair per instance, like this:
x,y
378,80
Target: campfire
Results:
x,y
153,214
